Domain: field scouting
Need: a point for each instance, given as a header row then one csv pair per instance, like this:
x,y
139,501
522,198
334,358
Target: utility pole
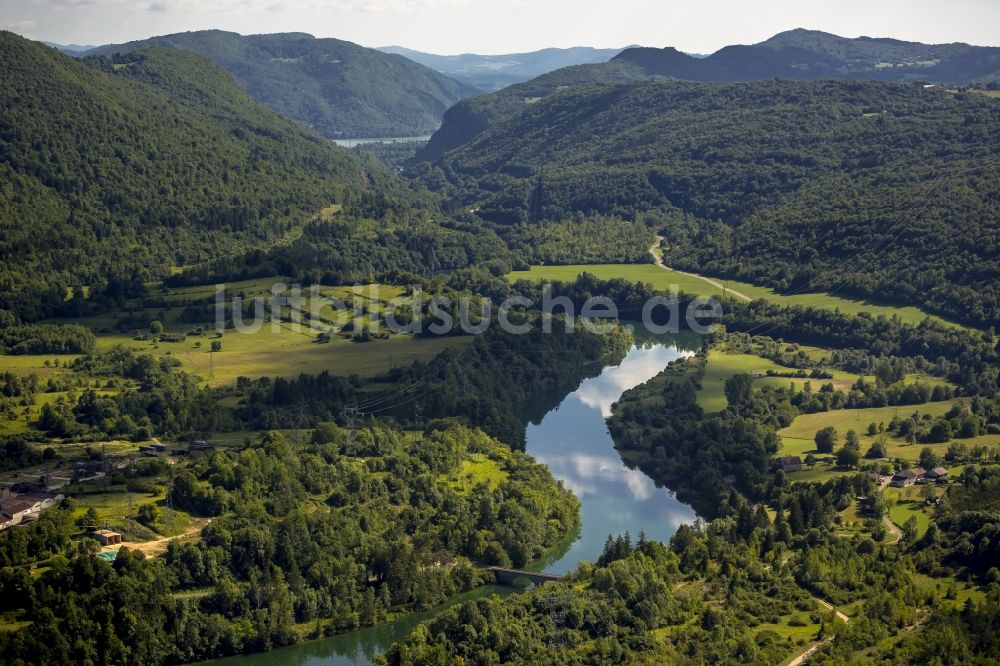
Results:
x,y
168,517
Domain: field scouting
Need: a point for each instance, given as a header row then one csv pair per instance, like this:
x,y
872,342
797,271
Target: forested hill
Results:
x,y
109,178
795,55
811,54
337,87
869,188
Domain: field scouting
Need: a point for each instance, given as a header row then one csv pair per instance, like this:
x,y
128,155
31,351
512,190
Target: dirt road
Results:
x,y
715,283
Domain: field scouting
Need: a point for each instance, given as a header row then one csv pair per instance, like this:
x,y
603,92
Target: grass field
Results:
x,y
474,470
284,353
276,349
113,508
963,590
664,278
797,439
36,364
722,365
902,510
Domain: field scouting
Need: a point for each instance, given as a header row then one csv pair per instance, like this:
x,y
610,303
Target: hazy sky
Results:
x,y
504,26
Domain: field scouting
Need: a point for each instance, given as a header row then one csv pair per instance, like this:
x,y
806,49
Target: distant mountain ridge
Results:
x,y
493,72
795,55
811,54
336,87
70,49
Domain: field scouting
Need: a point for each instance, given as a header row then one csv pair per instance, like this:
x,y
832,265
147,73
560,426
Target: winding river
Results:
x,y
573,441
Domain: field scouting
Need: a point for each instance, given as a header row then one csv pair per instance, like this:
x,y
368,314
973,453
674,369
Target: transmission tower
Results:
x,y
418,421
350,416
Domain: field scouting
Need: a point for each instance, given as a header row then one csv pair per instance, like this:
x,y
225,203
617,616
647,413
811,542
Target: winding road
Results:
x,y
803,656
654,250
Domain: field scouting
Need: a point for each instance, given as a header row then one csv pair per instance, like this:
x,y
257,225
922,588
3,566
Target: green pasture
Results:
x,y
664,278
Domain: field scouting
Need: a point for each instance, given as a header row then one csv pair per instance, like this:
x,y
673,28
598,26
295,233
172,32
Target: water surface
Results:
x,y
574,442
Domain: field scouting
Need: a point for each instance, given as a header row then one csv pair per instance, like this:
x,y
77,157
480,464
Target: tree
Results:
x,y
940,431
216,345
156,327
147,514
90,518
928,459
910,529
810,460
847,457
826,439
738,389
877,450
878,505
851,440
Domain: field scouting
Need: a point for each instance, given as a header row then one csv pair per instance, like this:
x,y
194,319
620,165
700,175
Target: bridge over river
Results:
x,y
507,576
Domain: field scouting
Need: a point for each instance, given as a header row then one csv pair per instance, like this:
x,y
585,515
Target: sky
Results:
x,y
508,26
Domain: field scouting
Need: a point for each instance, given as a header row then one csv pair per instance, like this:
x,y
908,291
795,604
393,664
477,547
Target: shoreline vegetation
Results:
x,y
310,479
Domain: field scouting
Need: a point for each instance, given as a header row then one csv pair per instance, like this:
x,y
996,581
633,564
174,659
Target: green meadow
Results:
x,y
722,365
798,438
665,278
278,348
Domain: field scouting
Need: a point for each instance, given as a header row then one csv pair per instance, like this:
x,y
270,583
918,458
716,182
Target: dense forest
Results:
x,y
314,538
717,592
110,178
894,187
791,55
338,88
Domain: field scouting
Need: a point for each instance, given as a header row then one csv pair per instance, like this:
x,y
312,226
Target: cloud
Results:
x,y
640,366
20,27
255,6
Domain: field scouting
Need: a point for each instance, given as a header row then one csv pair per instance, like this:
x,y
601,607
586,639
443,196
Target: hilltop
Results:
x,y
336,87
796,55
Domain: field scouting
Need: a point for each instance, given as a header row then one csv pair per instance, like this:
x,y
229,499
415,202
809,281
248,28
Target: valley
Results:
x,y
282,381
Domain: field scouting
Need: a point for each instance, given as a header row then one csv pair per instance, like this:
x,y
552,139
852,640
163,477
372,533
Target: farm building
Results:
x,y
106,537
789,463
18,509
939,474
907,477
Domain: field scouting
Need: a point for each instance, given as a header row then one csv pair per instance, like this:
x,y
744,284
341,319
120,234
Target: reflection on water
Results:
x,y
351,143
574,442
356,647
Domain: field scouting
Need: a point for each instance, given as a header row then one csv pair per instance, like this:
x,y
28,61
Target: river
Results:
x,y
573,441
351,143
